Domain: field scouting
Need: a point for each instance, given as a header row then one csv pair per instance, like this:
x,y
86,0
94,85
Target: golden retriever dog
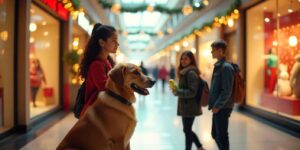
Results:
x,y
109,123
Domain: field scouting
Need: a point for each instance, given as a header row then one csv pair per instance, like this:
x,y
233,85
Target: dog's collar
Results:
x,y
118,97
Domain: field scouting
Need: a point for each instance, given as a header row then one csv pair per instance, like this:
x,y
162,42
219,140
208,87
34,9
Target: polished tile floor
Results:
x,y
159,128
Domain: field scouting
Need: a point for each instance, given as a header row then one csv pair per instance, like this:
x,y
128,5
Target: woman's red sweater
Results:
x,y
95,81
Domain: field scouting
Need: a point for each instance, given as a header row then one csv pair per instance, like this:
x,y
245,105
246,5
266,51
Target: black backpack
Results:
x,y
202,95
80,100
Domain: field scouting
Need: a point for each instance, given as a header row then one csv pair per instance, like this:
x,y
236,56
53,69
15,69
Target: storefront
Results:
x,y
273,61
6,64
206,62
31,48
44,61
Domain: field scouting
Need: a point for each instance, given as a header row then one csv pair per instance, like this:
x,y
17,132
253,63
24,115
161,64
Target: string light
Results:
x,y
116,8
150,8
187,9
185,44
230,22
170,30
205,2
160,34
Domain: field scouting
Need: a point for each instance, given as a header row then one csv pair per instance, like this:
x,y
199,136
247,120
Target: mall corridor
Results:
x,y
159,128
49,48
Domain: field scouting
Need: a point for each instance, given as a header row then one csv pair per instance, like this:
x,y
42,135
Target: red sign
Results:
x,y
58,8
62,12
51,3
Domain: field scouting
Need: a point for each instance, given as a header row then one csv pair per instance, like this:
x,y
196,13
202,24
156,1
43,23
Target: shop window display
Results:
x,y
273,55
44,61
6,61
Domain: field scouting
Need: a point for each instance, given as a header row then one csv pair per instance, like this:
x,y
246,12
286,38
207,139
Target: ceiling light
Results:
x,y
293,41
290,10
275,43
197,3
32,27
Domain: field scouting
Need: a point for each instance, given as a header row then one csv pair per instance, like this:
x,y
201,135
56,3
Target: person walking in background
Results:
x,y
172,72
96,61
144,70
155,74
37,76
189,77
162,75
220,101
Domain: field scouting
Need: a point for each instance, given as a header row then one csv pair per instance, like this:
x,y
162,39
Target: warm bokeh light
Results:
x,y
193,50
177,48
267,20
230,22
32,27
293,41
4,35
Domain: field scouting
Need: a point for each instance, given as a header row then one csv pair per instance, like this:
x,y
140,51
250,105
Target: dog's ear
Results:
x,y
117,74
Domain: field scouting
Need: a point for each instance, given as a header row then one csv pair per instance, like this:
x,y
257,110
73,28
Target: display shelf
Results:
x,y
284,104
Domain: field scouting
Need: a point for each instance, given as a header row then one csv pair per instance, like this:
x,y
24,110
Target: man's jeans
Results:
x,y
219,130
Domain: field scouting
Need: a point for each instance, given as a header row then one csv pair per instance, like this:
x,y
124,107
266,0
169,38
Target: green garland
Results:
x,y
143,7
148,33
234,6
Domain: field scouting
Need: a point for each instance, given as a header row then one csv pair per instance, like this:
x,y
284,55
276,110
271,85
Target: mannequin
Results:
x,y
295,77
272,61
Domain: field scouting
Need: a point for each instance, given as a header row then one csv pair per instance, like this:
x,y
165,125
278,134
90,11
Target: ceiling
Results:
x,y
141,23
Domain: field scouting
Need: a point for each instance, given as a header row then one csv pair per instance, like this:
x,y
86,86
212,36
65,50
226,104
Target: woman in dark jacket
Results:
x,y
96,61
188,107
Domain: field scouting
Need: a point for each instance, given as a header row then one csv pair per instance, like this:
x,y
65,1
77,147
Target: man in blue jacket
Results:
x,y
220,101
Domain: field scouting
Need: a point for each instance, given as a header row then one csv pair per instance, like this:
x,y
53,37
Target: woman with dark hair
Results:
x,y
96,61
188,108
